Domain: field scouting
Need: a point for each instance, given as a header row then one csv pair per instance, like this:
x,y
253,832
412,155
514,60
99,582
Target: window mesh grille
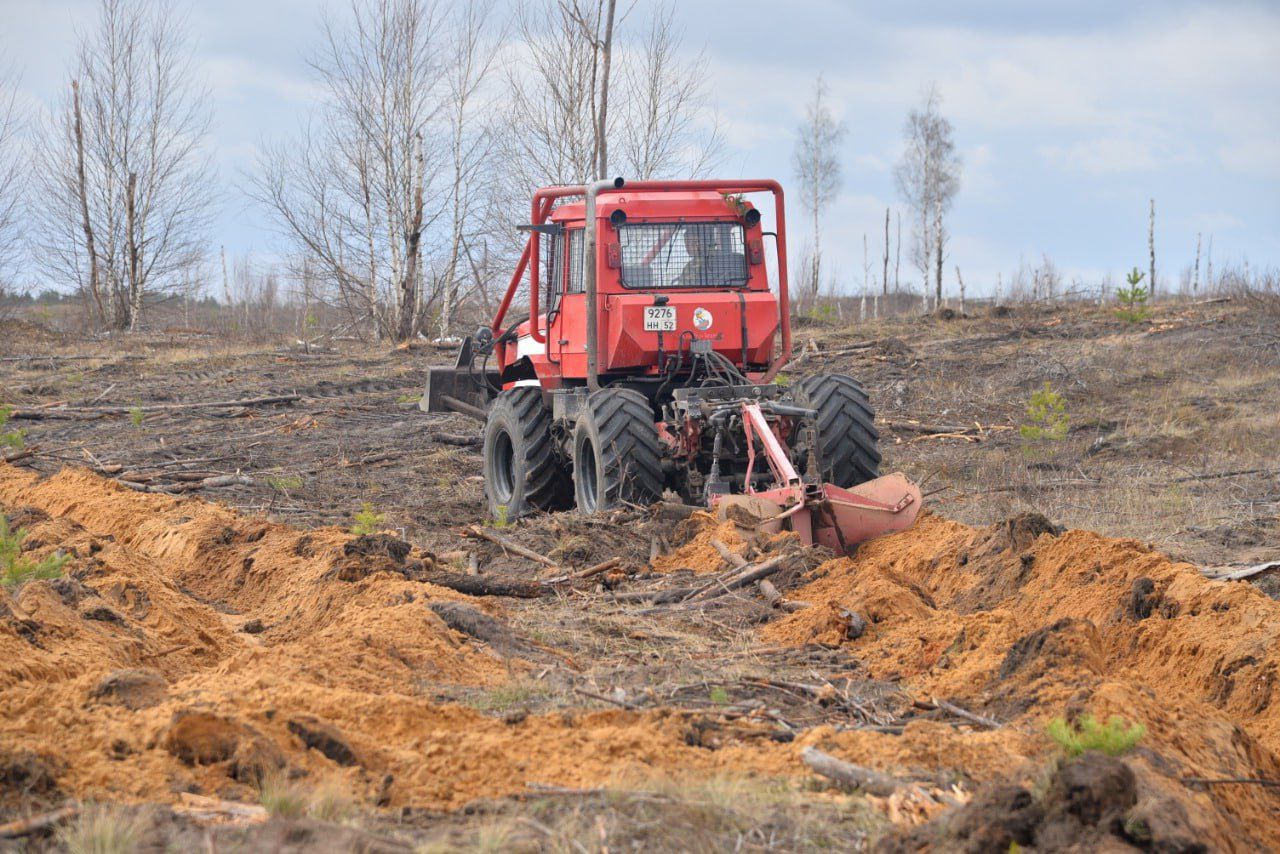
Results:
x,y
683,255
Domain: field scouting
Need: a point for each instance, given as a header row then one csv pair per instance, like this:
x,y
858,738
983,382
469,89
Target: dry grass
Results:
x,y
104,829
661,814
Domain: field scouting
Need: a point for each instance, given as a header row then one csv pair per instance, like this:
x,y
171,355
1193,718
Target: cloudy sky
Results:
x,y
1070,115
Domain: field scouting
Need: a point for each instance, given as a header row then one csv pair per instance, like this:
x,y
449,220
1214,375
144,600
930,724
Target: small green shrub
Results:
x,y
1113,738
719,696
367,521
1047,416
1133,298
14,568
284,482
409,398
15,439
137,416
501,519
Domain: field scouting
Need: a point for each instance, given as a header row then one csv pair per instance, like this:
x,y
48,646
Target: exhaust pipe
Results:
x,y
589,279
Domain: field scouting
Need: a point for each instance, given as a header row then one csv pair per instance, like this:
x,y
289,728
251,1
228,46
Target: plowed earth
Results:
x,y
190,649
195,647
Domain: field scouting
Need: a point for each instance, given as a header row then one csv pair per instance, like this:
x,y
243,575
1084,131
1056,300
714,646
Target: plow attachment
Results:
x,y
822,514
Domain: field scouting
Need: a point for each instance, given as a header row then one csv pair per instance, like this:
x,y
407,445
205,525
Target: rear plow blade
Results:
x,y
847,517
829,516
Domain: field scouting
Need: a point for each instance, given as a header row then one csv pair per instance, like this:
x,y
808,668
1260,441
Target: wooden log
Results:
x,y
477,532
36,823
486,585
603,566
749,574
868,780
730,556
456,440
674,511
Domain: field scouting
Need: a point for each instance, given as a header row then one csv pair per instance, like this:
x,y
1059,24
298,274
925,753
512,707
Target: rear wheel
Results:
x,y
615,452
848,442
522,472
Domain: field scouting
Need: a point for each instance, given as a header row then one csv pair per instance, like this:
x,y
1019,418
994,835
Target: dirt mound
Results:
x,y
238,650
1024,623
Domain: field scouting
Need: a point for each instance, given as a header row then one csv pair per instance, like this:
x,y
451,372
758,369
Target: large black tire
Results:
x,y
847,437
522,472
615,452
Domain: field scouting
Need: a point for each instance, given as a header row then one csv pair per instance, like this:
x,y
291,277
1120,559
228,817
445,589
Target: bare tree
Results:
x,y
928,177
818,170
562,122
356,192
660,134
127,185
471,59
12,185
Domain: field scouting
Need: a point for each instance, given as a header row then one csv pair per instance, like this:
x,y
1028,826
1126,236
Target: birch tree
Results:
x,y
472,134
12,186
127,186
588,80
928,178
357,191
818,171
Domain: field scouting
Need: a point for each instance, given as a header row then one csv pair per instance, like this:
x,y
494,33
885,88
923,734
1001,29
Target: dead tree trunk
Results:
x,y
1195,281
937,248
897,256
606,59
960,280
95,289
409,284
131,247
884,283
1151,245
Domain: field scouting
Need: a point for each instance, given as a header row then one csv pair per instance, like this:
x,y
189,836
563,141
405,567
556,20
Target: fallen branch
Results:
x,y
456,439
475,531
603,566
35,823
1245,781
605,699
971,717
72,411
870,781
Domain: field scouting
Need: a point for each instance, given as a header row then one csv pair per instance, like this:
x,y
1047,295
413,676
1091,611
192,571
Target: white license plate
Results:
x,y
659,318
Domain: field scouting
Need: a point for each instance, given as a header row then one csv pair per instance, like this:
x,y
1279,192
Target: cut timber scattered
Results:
x,y
747,575
477,532
870,781
729,554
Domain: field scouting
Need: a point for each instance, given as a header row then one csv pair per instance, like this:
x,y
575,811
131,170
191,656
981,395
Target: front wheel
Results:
x,y
522,472
615,452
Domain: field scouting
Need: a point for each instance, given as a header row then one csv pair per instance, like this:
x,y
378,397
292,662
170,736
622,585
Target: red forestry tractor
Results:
x,y
647,362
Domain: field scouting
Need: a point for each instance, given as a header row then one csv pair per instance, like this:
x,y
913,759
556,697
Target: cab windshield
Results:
x,y
683,255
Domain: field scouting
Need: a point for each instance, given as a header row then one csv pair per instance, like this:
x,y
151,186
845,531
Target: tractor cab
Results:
x,y
671,269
